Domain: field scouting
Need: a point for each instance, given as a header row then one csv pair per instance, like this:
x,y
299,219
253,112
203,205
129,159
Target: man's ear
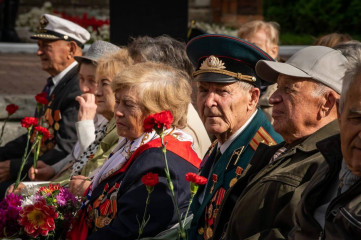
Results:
x,y
254,97
329,105
72,48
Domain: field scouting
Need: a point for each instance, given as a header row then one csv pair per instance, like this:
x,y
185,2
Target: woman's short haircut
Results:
x,y
159,87
271,29
110,65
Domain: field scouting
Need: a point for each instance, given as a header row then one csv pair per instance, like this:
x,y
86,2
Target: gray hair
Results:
x,y
320,90
161,49
353,68
245,85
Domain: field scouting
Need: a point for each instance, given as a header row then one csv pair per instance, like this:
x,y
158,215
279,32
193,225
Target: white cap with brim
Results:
x,y
56,28
322,64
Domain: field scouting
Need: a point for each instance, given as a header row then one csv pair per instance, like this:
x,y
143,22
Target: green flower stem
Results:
x,y
190,202
36,154
144,222
3,128
171,188
23,160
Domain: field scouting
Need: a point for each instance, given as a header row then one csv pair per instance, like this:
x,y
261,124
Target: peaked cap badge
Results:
x,y
43,22
212,62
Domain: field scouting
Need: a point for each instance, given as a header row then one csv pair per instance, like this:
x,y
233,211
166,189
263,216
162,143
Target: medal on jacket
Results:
x,y
239,171
57,117
209,233
215,179
235,156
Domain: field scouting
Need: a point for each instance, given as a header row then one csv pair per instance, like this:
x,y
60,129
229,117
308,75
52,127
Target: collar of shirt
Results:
x,y
347,177
56,79
223,147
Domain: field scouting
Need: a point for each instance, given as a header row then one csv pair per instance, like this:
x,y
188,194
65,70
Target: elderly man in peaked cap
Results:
x,y
262,204
59,41
228,93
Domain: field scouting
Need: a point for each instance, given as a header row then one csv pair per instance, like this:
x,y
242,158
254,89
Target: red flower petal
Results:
x,y
150,179
194,178
12,108
158,121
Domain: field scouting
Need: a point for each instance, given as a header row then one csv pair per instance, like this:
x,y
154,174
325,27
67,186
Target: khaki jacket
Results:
x,y
262,203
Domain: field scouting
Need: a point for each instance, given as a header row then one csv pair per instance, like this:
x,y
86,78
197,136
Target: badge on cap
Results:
x,y
43,22
212,62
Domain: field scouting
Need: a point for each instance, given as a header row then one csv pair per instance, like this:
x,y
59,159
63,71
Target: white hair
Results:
x,y
320,90
245,85
353,68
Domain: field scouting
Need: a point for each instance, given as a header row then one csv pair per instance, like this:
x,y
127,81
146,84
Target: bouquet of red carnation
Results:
x,y
47,214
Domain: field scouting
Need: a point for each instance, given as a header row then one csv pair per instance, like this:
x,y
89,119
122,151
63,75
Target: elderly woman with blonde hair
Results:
x,y
116,198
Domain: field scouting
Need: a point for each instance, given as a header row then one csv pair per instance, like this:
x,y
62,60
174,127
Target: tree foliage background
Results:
x,y
315,17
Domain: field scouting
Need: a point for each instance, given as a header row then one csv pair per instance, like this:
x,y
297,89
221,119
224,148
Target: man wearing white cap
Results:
x,y
261,205
59,41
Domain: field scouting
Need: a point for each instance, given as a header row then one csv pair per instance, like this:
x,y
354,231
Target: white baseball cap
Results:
x,y
56,28
322,64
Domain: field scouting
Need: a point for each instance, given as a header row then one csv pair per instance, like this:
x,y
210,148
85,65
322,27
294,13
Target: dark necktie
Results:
x,y
48,86
218,155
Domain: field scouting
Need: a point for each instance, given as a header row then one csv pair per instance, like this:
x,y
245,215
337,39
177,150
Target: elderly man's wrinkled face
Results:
x,y
128,114
54,55
350,127
223,108
295,107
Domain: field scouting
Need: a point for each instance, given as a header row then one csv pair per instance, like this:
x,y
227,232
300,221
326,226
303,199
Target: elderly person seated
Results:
x,y
79,171
262,204
330,205
117,196
89,122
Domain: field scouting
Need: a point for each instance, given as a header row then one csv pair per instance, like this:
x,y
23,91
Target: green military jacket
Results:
x,y
225,172
106,146
262,203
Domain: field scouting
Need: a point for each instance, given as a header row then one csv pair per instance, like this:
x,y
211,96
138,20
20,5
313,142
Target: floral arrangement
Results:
x,y
11,109
97,26
45,213
160,122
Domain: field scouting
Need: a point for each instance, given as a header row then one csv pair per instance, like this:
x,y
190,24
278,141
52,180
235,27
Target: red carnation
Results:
x,y
158,121
38,219
43,131
150,179
42,98
29,121
11,108
194,178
